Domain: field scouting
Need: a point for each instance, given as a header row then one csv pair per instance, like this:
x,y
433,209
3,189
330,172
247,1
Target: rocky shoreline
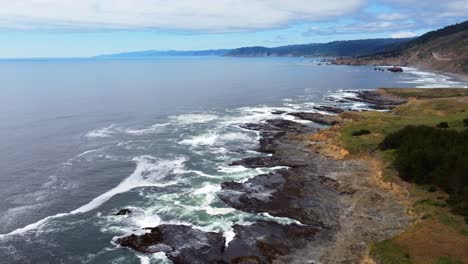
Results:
x,y
338,206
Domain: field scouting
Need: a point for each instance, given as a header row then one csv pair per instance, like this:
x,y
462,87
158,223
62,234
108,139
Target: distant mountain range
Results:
x,y
332,49
157,53
445,49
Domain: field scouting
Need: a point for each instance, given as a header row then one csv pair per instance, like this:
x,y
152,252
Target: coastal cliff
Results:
x,y
445,49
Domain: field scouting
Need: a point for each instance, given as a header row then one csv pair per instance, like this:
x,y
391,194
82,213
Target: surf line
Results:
x,y
143,165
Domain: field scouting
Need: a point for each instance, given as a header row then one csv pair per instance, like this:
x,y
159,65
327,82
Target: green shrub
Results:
x,y
448,260
465,122
439,157
360,132
388,252
443,125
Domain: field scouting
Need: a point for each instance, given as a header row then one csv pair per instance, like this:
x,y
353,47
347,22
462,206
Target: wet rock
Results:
x,y
338,208
377,99
265,241
395,69
258,162
278,112
318,118
335,100
294,193
274,129
330,109
181,244
124,211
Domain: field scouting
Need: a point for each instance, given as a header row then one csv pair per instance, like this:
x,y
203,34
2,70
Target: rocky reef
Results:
x,y
338,207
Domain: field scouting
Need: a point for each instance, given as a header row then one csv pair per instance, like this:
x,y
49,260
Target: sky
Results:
x,y
81,28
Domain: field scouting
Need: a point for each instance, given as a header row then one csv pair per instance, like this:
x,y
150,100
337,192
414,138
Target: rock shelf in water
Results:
x,y
338,208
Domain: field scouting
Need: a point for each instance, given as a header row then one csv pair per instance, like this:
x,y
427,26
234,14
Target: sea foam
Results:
x,y
149,171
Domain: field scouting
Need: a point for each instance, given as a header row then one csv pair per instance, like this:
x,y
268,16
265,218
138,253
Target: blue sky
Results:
x,y
71,28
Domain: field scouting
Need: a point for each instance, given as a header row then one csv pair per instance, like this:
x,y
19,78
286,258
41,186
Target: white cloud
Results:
x,y
453,8
208,15
404,35
392,16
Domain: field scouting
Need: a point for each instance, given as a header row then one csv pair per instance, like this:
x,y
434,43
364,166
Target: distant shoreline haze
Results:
x,y
330,49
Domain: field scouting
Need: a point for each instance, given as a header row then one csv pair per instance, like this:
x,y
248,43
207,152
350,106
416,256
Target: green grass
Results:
x,y
426,93
388,252
422,112
448,260
431,203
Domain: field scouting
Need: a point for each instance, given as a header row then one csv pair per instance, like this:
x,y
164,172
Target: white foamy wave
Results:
x,y
232,169
201,140
283,220
113,129
194,118
211,138
88,152
149,172
33,226
159,258
258,114
83,154
432,80
144,131
102,132
197,172
342,95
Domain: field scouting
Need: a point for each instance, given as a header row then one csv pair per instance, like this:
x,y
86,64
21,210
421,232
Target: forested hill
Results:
x,y
445,49
331,49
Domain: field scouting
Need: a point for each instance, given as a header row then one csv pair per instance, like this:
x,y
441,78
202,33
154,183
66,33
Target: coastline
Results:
x,y
389,62
348,203
319,163
339,205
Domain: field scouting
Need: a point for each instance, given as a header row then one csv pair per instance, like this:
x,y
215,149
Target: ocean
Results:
x,y
81,139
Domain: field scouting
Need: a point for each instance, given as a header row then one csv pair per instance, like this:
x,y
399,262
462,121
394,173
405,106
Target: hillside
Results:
x,y
445,49
331,49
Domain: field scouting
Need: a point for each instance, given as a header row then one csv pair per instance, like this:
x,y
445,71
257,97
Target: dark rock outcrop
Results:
x,y
258,162
181,244
278,112
395,69
337,209
377,99
293,193
297,193
330,109
330,120
264,241
124,211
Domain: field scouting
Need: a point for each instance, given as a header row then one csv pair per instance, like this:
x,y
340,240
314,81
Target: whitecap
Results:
x,y
207,139
212,138
426,79
101,132
193,118
149,171
144,131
